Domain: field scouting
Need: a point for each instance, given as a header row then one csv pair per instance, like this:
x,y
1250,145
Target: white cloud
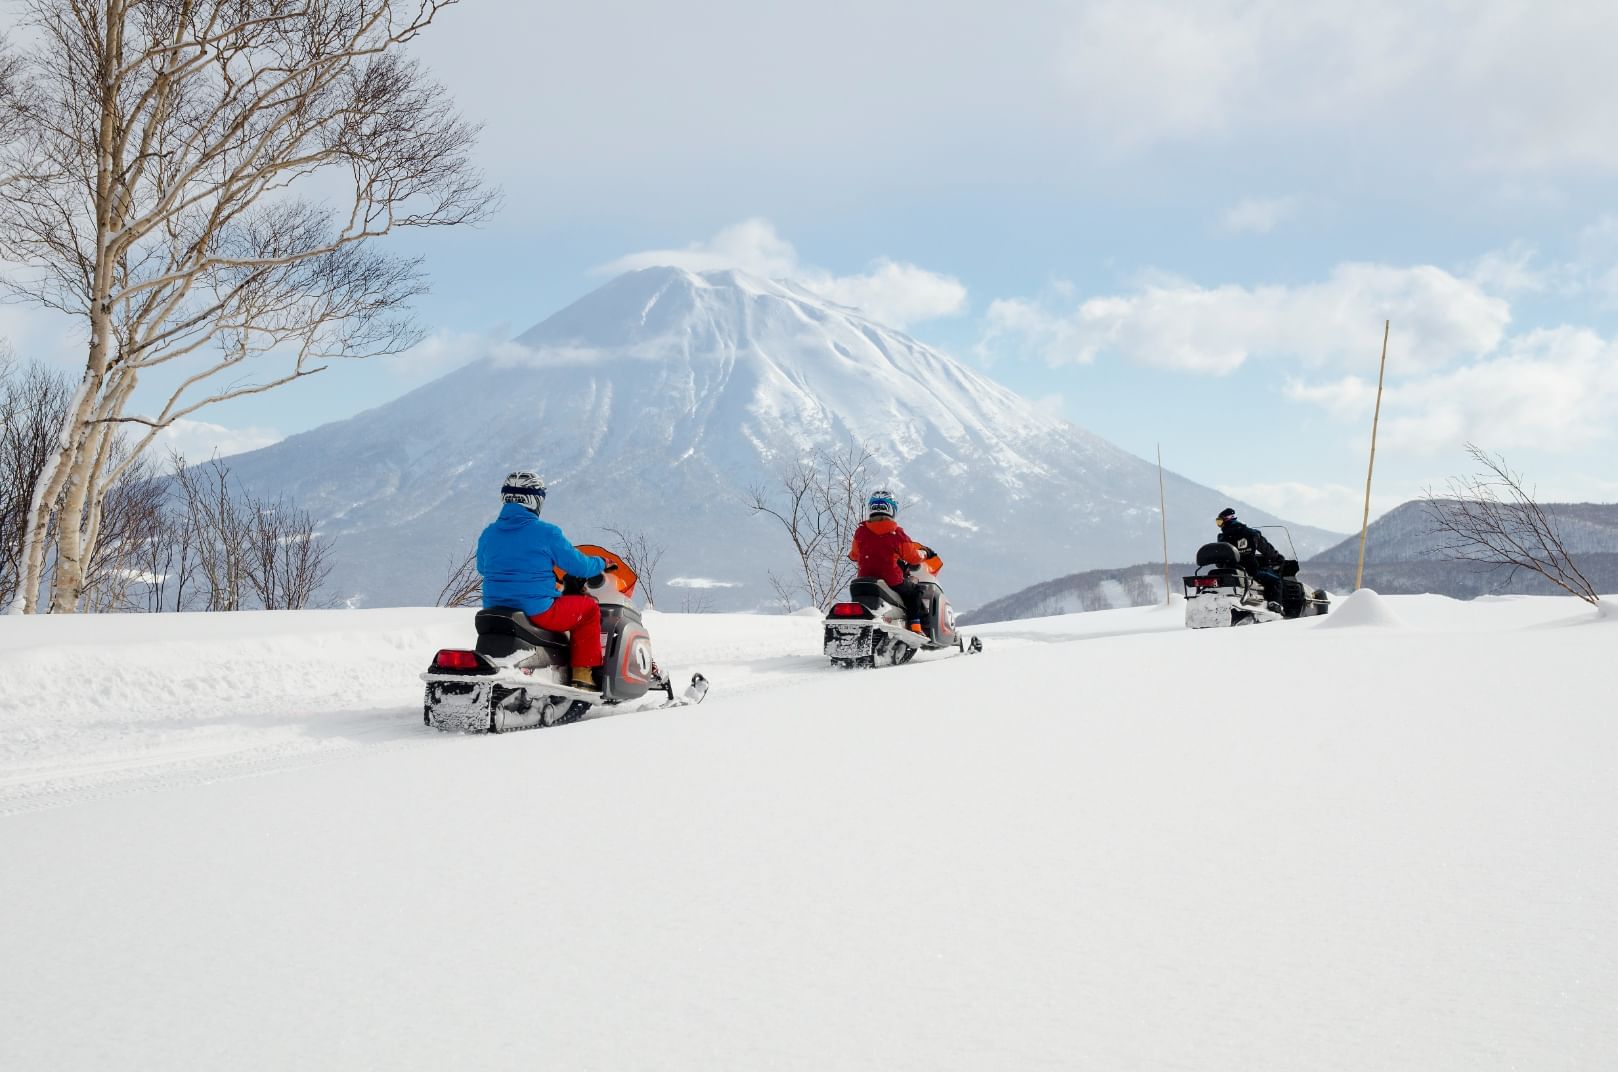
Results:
x,y
1260,215
1553,390
200,440
1507,85
1171,323
752,245
1052,405
1514,271
443,351
701,582
892,292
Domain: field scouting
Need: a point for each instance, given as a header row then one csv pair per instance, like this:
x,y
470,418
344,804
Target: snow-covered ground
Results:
x,y
1385,839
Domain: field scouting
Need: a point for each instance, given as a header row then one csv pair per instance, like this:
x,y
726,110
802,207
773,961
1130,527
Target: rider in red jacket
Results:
x,y
883,550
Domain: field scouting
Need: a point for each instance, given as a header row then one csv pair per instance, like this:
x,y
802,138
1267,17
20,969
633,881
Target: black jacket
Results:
x,y
1255,551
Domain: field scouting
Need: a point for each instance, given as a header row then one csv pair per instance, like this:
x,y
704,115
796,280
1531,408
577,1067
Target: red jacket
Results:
x,y
880,545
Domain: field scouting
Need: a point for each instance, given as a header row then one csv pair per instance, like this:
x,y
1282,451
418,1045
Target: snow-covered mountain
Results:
x,y
658,400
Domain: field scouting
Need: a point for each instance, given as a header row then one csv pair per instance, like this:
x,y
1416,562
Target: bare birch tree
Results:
x,y
132,519
33,401
165,163
819,500
1490,518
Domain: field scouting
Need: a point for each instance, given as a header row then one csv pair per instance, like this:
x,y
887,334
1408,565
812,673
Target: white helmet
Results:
x,y
524,488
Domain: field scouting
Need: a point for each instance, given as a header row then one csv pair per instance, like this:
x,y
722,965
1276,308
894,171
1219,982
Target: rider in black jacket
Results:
x,y
1258,556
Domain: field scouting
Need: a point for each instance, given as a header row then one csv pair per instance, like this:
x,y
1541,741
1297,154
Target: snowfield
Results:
x,y
1384,839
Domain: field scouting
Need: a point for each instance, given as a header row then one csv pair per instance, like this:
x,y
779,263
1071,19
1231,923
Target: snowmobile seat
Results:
x,y
505,630
872,592
1219,555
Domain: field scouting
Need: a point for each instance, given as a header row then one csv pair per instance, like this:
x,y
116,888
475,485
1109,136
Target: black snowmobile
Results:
x,y
517,676
1223,593
872,628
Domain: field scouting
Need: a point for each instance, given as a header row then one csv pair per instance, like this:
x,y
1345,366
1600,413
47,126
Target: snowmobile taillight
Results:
x,y
849,610
1205,582
452,661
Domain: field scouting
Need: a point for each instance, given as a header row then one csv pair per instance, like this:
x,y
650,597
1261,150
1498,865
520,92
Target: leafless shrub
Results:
x,y
236,551
165,170
637,549
32,404
286,558
463,585
696,603
1491,519
819,500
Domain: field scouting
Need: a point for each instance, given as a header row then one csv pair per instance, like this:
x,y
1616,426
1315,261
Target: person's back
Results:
x,y
883,550
1258,556
518,554
880,546
1256,552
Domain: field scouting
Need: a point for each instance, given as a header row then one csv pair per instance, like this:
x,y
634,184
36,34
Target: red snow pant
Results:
x,y
580,618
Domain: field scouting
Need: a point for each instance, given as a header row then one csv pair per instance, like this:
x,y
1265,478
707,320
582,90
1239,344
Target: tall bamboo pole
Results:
x,y
1376,417
1163,512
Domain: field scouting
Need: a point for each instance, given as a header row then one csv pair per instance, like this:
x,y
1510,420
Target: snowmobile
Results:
x,y
517,675
872,628
1222,593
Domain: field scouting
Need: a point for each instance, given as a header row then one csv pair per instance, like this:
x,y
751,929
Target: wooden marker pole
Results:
x,y
1376,417
1163,512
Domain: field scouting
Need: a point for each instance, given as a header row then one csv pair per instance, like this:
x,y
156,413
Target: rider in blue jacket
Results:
x,y
517,556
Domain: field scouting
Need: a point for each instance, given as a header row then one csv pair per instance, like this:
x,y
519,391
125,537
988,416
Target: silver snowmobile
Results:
x,y
1222,593
872,628
517,675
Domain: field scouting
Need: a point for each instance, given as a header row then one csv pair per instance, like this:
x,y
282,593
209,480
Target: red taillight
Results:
x,y
849,610
1205,582
450,659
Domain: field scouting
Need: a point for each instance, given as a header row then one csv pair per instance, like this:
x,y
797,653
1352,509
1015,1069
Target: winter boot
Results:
x,y
916,627
584,677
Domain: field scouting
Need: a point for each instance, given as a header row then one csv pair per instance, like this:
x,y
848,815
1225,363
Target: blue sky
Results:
x,y
1175,223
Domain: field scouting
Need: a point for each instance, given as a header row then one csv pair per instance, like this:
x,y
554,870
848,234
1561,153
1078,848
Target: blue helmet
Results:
x,y
882,504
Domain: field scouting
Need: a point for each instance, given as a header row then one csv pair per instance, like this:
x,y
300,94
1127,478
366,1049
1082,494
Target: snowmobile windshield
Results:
x,y
618,571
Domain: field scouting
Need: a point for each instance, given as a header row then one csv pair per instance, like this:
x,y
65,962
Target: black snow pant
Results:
x,y
1272,584
916,603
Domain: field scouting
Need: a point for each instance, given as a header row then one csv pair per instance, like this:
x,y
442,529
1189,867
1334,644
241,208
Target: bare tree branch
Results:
x,y
1491,519
819,501
463,585
637,549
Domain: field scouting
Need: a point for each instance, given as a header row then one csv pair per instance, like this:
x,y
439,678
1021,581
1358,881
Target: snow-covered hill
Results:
x,y
658,400
229,842
1405,533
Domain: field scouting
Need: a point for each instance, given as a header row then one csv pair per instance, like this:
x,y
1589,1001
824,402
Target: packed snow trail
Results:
x,y
1384,844
114,704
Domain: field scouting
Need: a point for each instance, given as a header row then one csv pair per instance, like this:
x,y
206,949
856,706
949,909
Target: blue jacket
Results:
x,y
515,555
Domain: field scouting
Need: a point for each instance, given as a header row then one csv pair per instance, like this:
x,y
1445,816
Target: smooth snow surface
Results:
x,y
1105,843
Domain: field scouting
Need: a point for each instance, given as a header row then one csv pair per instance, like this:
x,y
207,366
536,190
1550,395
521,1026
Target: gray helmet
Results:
x,y
524,488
